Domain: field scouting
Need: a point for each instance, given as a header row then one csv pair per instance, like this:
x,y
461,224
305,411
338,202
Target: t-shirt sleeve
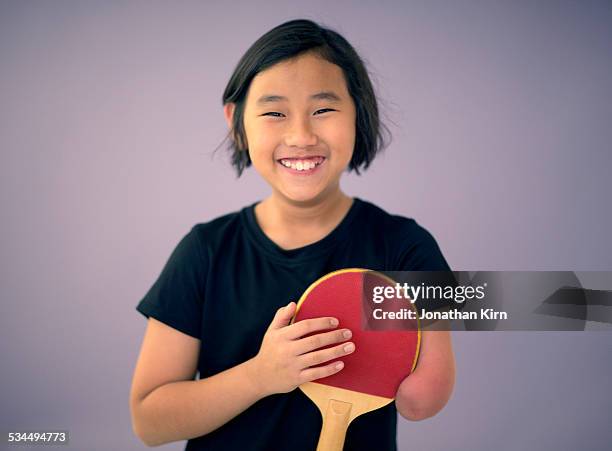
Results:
x,y
176,298
422,253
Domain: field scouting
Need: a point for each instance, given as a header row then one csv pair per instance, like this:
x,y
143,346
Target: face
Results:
x,y
300,127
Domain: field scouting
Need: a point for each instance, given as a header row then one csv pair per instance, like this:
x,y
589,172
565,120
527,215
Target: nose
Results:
x,y
300,134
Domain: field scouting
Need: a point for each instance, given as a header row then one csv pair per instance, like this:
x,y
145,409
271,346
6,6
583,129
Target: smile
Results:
x,y
302,164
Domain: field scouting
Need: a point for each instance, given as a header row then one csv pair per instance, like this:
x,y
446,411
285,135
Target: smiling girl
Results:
x,y
301,109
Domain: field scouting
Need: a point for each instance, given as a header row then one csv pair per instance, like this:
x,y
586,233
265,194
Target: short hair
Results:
x,y
290,40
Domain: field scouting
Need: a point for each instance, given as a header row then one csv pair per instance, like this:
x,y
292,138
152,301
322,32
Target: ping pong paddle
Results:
x,y
373,372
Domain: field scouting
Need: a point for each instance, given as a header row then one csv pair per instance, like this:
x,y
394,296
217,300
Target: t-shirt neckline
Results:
x,y
300,254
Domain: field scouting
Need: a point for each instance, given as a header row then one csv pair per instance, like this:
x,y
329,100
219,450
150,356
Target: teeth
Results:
x,y
301,165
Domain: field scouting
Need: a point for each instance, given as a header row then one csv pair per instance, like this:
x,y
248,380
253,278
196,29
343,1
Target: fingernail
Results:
x,y
349,347
347,334
333,322
339,365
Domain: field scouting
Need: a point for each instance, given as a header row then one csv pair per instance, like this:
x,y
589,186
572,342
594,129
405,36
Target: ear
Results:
x,y
228,111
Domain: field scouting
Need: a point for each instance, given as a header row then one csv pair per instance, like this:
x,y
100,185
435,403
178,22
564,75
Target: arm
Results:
x,y
427,390
167,404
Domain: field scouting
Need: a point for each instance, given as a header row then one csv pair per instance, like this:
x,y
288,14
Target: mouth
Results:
x,y
301,165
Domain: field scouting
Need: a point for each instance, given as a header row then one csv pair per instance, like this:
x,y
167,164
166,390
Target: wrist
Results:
x,y
253,377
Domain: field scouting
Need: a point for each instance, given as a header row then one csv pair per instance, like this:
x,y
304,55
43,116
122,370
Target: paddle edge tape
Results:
x,y
347,270
418,320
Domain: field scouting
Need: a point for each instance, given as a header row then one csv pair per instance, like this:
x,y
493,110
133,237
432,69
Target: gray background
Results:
x,y
109,112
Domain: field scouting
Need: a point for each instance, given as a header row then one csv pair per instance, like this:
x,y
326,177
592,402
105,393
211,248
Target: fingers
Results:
x,y
291,354
311,374
317,341
283,316
308,326
324,355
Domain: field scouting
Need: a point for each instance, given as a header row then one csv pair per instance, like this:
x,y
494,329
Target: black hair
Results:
x,y
289,40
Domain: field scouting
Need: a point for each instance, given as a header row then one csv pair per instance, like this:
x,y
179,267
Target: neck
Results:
x,y
284,211
291,224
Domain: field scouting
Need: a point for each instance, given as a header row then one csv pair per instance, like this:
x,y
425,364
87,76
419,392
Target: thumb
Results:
x,y
283,316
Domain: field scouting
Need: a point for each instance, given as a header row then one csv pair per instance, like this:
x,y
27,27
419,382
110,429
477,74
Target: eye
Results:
x,y
277,114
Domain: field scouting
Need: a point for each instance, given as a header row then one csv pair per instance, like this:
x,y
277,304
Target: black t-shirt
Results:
x,y
223,284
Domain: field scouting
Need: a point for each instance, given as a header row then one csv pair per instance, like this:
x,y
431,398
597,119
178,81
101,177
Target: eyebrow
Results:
x,y
323,95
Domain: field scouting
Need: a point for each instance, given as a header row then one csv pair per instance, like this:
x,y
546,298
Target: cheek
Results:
x,y
261,151
256,139
260,138
264,138
342,135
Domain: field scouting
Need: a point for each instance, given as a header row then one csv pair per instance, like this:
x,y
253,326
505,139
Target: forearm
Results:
x,y
426,391
186,409
418,401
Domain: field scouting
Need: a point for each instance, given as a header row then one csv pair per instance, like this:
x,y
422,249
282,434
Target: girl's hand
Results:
x,y
285,358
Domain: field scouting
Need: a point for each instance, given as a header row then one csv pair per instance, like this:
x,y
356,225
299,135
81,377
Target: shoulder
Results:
x,y
392,225
197,246
413,247
218,227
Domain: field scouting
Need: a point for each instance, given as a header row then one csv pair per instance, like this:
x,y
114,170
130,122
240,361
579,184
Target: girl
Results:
x,y
301,109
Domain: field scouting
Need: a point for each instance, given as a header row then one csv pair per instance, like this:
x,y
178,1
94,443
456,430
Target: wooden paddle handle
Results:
x,y
335,423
